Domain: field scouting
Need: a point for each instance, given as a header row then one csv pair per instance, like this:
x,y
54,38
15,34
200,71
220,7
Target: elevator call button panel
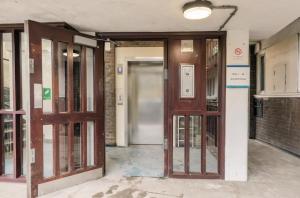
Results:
x,y
187,81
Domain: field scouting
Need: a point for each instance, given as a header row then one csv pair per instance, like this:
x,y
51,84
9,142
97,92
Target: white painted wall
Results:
x,y
281,67
237,112
123,55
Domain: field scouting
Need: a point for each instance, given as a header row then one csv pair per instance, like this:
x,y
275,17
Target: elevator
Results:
x,y
145,102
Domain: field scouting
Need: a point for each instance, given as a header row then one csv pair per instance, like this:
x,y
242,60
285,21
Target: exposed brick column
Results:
x,y
110,96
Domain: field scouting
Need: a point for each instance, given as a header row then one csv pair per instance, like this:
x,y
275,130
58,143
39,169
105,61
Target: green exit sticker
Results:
x,y
46,94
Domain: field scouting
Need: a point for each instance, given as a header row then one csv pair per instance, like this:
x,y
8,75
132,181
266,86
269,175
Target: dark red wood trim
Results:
x,y
203,145
1,101
120,36
56,159
19,112
11,179
186,144
20,26
166,155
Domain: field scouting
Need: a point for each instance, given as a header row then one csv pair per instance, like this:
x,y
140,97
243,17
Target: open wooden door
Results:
x,y
66,107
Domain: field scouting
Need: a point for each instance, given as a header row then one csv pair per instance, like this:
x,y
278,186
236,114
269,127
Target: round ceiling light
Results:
x,y
198,9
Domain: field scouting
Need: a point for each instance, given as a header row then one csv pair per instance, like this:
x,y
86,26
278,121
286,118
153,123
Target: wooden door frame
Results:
x,y
166,37
37,31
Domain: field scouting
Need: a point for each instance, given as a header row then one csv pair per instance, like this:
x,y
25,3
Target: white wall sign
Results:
x,y
38,99
187,81
238,76
187,46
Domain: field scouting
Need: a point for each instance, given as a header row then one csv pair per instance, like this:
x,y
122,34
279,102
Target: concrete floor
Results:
x,y
272,174
12,190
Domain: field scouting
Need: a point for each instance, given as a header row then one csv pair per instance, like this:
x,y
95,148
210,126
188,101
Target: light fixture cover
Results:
x,y
75,53
198,9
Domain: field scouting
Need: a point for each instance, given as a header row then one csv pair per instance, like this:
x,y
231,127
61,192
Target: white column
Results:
x,y
237,106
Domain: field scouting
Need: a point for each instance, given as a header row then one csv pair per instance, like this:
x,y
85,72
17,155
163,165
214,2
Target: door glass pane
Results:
x,y
62,77
7,128
76,77
90,78
90,143
47,74
63,148
25,94
77,146
212,74
7,72
48,151
23,137
178,143
212,144
195,144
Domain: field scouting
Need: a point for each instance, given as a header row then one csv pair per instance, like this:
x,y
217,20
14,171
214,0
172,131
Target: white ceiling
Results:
x,y
262,17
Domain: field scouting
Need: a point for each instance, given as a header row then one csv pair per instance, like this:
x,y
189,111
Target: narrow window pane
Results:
x,y
23,137
63,148
47,74
195,144
7,128
212,74
48,151
212,144
90,144
62,77
90,78
7,75
262,73
178,143
76,77
77,146
25,94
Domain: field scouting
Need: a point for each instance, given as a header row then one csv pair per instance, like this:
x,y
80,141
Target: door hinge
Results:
x,y
165,74
166,144
31,65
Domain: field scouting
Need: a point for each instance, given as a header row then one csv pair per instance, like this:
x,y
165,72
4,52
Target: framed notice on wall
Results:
x,y
187,81
238,76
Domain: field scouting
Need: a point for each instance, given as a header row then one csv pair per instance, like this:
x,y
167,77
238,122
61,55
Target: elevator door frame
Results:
x,y
148,59
166,37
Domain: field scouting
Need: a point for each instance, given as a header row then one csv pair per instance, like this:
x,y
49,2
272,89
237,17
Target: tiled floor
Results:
x,y
272,174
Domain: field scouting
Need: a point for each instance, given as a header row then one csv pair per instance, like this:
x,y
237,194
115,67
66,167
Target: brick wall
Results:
x,y
110,95
110,92
280,124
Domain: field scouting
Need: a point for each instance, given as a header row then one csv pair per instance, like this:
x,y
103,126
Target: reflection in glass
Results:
x,y
8,146
90,78
195,144
63,148
48,151
62,77
6,72
23,136
77,146
212,74
178,143
76,78
47,74
90,143
212,144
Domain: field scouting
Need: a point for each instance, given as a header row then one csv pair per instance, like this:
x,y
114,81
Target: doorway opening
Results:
x,y
139,150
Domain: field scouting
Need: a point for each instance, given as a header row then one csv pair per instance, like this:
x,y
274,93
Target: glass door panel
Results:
x,y
179,143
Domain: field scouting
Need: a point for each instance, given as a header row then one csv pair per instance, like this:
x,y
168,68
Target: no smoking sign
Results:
x,y
238,52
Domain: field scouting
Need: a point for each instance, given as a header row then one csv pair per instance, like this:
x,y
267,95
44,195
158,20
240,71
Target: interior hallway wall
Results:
x,y
110,96
237,109
280,124
110,92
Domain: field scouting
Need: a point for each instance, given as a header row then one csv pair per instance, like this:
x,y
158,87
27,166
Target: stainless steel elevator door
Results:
x,y
145,102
